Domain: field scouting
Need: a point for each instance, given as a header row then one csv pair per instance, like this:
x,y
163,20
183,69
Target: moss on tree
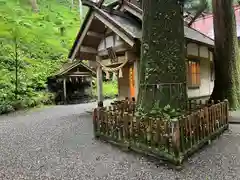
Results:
x,y
162,65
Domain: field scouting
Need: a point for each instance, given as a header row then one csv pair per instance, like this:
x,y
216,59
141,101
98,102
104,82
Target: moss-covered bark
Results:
x,y
162,65
226,54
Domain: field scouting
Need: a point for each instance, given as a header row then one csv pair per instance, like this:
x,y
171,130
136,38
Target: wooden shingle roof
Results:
x,y
68,67
128,19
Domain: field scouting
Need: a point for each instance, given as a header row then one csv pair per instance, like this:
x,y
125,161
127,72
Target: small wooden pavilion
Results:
x,y
72,83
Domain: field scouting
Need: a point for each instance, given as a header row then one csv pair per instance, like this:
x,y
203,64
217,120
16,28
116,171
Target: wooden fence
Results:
x,y
172,140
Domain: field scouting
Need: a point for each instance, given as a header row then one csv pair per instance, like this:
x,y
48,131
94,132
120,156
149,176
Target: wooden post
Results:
x,y
91,93
64,90
99,81
136,80
176,140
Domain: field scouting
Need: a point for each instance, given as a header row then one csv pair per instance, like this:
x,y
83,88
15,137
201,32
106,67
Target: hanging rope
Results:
x,y
113,69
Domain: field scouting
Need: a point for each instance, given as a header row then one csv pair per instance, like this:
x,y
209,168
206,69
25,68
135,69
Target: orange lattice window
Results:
x,y
194,79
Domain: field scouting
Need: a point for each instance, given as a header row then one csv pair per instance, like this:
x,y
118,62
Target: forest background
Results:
x,y
35,41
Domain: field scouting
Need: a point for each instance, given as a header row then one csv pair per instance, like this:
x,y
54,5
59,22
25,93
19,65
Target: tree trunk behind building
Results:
x,y
162,65
226,54
34,5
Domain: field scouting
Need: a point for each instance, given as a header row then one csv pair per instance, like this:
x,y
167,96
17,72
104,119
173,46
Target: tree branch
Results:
x,y
201,9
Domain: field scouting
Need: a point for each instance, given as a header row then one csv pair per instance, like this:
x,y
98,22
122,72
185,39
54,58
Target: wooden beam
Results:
x,y
107,62
82,36
120,48
95,34
115,29
100,3
91,86
110,9
132,11
64,90
79,75
87,49
99,81
132,6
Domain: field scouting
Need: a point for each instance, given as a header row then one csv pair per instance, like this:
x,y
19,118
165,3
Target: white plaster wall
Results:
x,y
203,50
206,85
111,41
192,49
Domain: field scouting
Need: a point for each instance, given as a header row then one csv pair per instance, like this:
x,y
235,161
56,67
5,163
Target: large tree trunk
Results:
x,y
162,65
226,54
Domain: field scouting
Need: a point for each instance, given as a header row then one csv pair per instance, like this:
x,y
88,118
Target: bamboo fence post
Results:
x,y
210,119
197,126
157,133
182,133
176,141
131,130
126,127
114,121
206,118
222,114
227,111
137,124
193,127
190,130
105,119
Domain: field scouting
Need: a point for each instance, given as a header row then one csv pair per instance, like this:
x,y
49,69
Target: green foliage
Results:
x,y
167,112
110,89
36,44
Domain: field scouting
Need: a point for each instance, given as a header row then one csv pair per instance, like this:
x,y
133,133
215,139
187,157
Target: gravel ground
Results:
x,y
57,143
234,117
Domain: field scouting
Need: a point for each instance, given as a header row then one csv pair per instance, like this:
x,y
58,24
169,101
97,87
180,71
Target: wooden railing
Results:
x,y
193,105
172,140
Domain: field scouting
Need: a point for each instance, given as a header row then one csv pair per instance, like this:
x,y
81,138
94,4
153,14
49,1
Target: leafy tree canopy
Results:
x,y
38,43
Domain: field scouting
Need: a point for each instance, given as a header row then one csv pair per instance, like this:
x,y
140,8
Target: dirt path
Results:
x,y
57,143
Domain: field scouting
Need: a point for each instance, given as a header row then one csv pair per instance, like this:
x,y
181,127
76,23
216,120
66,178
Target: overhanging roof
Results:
x,y
126,26
98,20
190,33
67,67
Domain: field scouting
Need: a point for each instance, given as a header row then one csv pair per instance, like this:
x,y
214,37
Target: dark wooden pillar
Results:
x,y
64,90
99,82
